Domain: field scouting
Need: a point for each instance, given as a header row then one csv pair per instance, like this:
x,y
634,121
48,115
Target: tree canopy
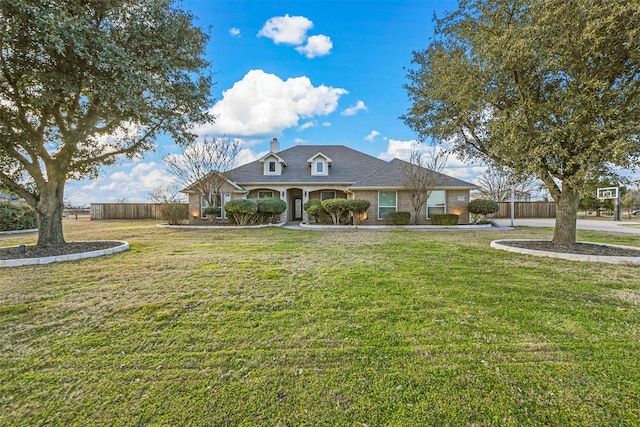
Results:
x,y
548,88
84,83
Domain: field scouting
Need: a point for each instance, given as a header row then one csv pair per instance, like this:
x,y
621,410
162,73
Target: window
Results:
x,y
217,203
435,203
319,167
386,202
326,195
263,194
272,167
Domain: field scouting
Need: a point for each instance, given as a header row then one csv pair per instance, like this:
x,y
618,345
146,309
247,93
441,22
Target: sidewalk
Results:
x,y
626,226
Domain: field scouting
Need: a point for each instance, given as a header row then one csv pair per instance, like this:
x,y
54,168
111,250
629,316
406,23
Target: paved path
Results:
x,y
583,224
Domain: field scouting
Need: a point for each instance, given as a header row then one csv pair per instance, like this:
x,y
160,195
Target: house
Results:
x,y
322,172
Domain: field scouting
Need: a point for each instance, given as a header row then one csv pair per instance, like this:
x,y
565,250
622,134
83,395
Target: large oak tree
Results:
x,y
85,82
548,88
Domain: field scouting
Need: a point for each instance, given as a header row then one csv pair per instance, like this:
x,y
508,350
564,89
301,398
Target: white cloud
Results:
x,y
319,45
235,32
353,110
326,124
372,136
307,125
263,105
286,29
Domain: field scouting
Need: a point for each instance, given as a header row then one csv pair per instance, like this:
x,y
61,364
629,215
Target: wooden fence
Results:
x,y
125,210
527,210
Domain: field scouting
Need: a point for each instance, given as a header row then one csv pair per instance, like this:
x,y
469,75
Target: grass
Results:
x,y
287,327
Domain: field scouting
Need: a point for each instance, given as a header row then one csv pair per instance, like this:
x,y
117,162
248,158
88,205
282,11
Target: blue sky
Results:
x,y
306,72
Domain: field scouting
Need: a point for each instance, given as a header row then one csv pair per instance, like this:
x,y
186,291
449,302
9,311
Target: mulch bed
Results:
x,y
34,251
576,248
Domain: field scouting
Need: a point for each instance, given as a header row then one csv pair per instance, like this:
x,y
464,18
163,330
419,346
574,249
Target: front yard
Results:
x,y
290,327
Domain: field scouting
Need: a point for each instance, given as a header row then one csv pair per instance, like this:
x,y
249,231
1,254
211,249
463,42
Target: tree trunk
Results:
x,y
49,212
566,216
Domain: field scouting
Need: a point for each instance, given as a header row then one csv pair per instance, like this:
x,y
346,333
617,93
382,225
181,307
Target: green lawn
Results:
x,y
286,327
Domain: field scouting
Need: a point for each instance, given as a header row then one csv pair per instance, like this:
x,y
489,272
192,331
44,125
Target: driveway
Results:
x,y
624,226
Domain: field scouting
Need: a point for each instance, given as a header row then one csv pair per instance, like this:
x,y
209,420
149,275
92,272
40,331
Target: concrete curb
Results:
x,y
396,227
220,227
30,230
61,258
502,245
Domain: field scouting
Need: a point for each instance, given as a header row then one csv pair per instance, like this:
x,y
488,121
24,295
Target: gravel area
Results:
x,y
576,248
33,251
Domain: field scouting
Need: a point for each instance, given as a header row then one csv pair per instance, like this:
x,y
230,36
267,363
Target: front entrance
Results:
x,y
297,209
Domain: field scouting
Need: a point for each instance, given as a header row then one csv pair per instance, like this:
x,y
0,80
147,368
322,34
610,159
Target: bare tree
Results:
x,y
496,184
204,166
422,176
166,194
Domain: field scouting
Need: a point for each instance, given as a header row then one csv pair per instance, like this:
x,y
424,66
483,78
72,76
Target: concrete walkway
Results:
x,y
626,226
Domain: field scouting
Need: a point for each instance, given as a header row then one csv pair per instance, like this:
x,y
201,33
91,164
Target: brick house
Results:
x,y
305,172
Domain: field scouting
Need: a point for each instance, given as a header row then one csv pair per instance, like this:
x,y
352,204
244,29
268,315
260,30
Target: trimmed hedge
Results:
x,y
315,209
17,217
480,208
399,217
242,211
269,209
445,219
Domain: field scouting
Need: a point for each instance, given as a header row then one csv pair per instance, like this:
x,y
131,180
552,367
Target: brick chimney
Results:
x,y
275,145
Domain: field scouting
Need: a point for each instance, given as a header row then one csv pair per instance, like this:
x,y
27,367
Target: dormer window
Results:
x,y
319,165
272,164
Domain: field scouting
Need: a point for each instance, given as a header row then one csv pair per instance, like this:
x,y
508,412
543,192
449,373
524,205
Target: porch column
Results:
x,y
284,196
305,199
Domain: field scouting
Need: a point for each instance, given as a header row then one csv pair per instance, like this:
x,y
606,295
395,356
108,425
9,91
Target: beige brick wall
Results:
x,y
457,202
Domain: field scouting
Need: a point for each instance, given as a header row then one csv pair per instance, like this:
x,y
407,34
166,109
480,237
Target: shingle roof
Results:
x,y
349,167
392,175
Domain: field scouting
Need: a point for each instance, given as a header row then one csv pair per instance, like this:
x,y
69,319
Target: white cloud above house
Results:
x,y
235,32
353,110
263,105
372,136
286,29
319,45
292,30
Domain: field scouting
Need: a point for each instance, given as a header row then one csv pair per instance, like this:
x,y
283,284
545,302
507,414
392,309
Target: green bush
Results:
x,y
211,212
357,207
17,217
480,208
242,211
314,208
336,208
174,213
399,217
445,219
270,208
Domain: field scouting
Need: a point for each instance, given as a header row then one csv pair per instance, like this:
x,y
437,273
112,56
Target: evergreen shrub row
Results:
x,y
17,217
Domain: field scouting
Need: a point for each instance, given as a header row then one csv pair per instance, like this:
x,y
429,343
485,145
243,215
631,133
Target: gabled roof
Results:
x,y
272,154
319,154
351,166
391,175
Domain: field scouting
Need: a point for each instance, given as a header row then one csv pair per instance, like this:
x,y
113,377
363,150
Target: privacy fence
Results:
x,y
125,210
527,210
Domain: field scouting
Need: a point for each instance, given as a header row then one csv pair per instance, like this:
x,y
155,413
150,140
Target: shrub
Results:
x,y
357,207
270,208
399,217
17,217
211,212
480,208
445,219
242,211
315,209
174,213
336,208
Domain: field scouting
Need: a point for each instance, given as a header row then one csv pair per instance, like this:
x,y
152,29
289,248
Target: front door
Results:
x,y
297,209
